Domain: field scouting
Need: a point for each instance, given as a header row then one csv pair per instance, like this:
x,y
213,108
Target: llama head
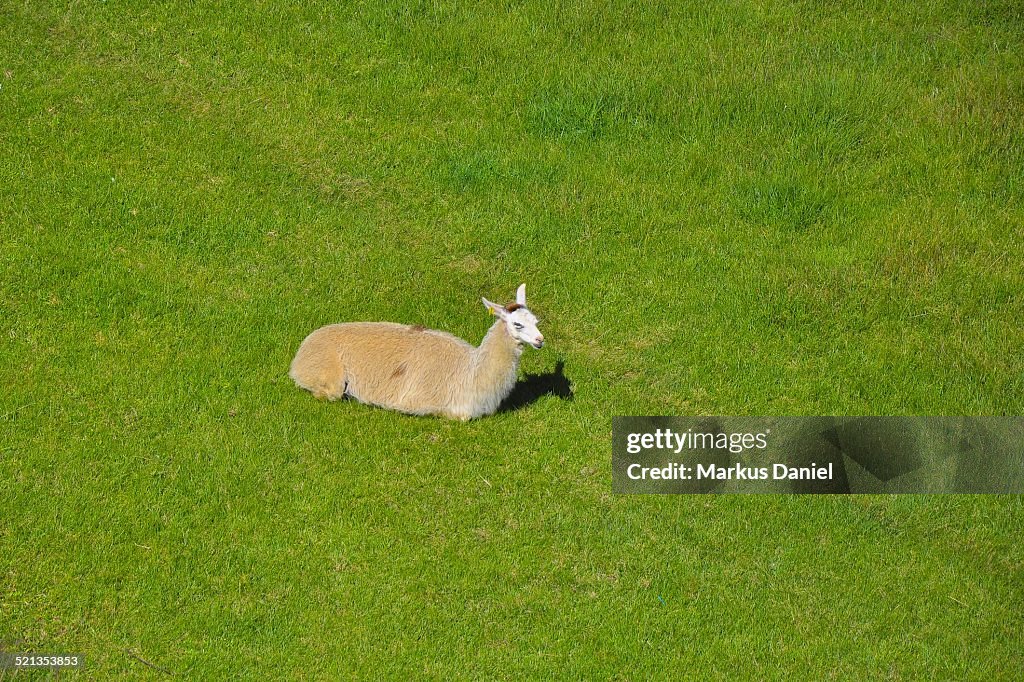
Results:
x,y
520,322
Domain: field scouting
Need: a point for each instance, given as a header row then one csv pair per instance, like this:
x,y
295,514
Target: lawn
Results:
x,y
752,208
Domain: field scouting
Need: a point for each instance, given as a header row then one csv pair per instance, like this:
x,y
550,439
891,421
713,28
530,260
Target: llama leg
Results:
x,y
323,375
460,414
331,387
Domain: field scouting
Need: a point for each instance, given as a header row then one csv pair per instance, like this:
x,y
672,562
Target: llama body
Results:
x,y
416,370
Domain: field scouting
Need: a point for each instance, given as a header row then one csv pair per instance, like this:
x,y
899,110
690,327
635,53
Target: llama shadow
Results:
x,y
535,386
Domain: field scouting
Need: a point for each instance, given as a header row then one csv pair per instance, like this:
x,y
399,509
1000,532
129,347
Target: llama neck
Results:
x,y
496,362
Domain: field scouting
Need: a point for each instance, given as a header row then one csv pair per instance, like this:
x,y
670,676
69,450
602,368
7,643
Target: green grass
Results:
x,y
752,208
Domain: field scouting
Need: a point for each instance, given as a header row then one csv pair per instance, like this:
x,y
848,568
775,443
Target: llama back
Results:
x,y
408,368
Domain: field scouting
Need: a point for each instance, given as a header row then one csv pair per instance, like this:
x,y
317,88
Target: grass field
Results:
x,y
749,208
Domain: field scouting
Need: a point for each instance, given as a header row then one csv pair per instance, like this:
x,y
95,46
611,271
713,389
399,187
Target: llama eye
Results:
x,y
517,325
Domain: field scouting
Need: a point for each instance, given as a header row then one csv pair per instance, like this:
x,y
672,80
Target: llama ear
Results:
x,y
494,308
521,294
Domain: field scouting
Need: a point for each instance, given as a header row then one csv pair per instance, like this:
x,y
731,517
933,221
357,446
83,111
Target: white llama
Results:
x,y
417,370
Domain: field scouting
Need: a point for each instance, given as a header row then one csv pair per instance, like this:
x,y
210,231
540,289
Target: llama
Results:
x,y
417,370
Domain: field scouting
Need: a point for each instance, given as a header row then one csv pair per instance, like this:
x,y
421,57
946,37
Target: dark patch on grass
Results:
x,y
833,134
1005,14
481,170
589,112
471,171
535,386
784,204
